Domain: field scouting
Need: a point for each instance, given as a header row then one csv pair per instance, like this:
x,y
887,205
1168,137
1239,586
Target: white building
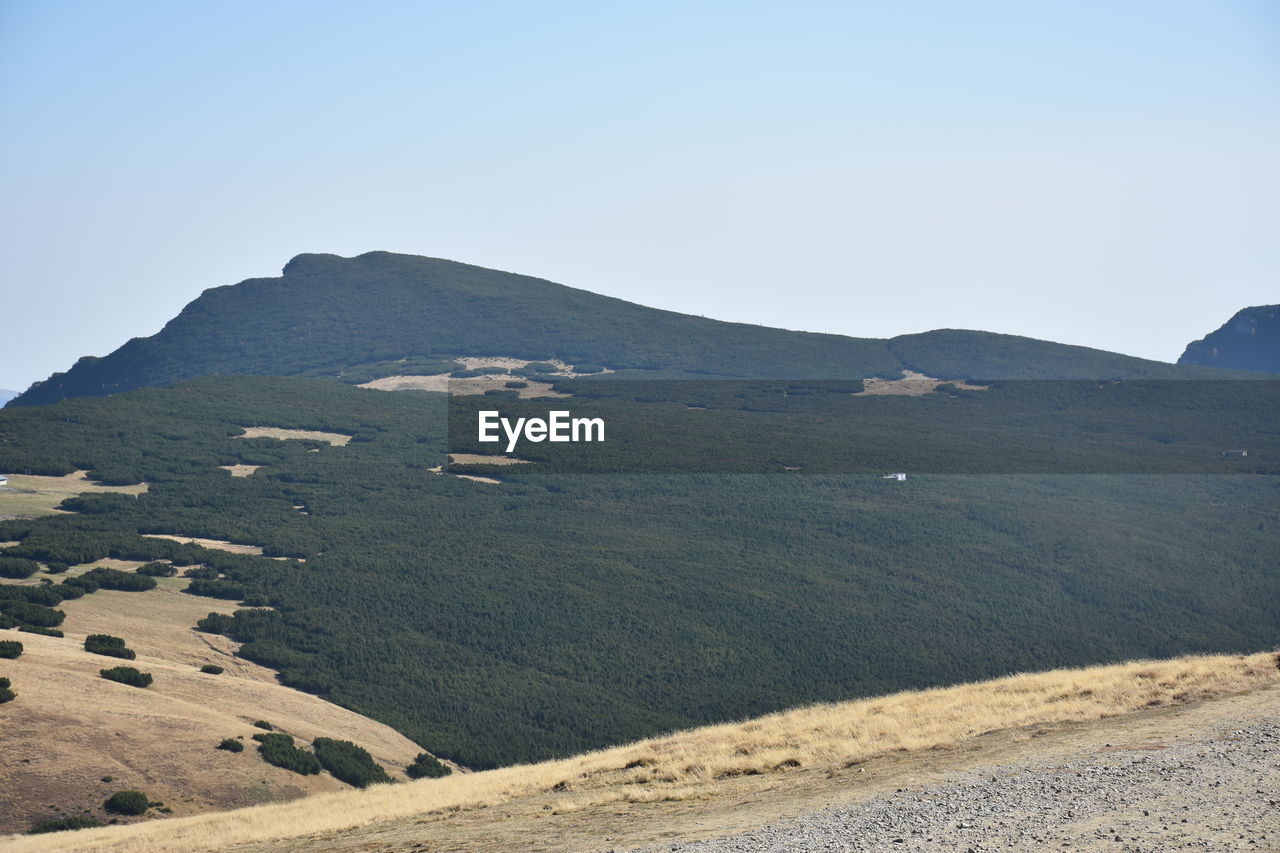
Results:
x,y
899,477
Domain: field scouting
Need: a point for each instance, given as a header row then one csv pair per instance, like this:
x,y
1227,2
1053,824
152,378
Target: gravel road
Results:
x,y
1215,793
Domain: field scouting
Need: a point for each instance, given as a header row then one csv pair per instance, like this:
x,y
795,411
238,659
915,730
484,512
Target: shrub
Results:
x,y
33,614
84,582
515,384
263,724
6,695
10,649
157,569
204,573
124,581
230,744
36,629
230,590
128,803
66,591
55,568
6,621
17,568
127,675
588,368
212,669
278,749
105,644
348,762
427,766
45,596
60,824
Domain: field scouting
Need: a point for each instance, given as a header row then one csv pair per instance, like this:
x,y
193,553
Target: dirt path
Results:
x,y
1165,784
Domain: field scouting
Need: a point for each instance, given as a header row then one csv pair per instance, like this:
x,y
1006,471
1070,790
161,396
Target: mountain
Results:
x,y
1248,341
6,396
326,315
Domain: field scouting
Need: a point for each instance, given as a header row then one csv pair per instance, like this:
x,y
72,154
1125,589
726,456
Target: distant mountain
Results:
x,y
1248,341
6,396
327,314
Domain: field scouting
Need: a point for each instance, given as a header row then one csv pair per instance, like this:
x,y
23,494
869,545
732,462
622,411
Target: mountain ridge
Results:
x,y
326,313
1250,340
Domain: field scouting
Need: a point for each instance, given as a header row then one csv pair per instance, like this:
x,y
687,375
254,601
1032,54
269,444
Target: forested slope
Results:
x,y
327,314
553,613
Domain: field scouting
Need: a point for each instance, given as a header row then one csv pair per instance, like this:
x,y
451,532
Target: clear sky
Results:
x,y
1101,173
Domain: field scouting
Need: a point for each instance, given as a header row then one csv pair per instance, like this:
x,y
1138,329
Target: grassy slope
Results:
x,y
738,767
68,727
327,313
549,615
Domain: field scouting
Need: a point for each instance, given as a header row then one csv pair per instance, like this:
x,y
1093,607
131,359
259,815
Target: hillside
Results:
x,y
1060,734
330,316
1250,340
540,615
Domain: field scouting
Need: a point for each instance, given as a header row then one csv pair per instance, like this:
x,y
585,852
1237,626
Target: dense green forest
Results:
x,y
552,613
1016,427
338,317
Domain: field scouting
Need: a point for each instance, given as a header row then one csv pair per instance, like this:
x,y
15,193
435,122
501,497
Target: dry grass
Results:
x,y
68,727
483,459
337,439
27,495
215,544
240,470
695,765
911,384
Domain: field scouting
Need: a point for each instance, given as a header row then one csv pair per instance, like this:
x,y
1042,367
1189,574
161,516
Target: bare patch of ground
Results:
x,y
912,384
482,459
476,478
337,439
215,544
27,495
240,470
463,387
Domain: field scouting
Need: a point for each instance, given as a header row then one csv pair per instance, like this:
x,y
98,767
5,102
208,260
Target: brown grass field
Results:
x,y
337,439
25,496
728,777
68,727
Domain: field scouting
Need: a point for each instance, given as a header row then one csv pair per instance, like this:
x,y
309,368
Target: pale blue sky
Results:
x,y
1101,173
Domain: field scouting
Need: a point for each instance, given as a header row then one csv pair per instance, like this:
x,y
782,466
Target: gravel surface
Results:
x,y
1217,793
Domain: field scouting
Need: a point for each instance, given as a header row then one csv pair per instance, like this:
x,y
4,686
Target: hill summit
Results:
x,y
326,314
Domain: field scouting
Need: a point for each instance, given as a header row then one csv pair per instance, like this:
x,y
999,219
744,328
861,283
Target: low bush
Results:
x,y
157,569
203,573
127,675
279,749
128,803
348,762
36,629
10,649
105,644
33,614
427,766
62,824
17,568
124,581
7,621
230,744
55,568
229,590
264,725
6,694
212,669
